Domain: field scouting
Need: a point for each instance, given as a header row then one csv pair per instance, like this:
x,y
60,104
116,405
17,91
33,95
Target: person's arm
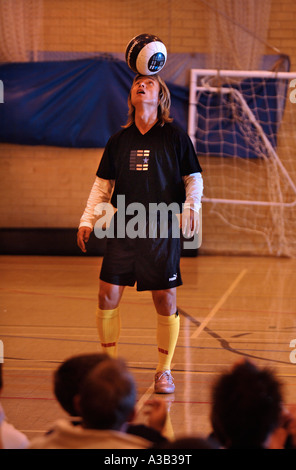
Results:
x,y
100,192
190,215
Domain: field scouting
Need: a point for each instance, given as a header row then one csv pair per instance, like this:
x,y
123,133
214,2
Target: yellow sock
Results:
x,y
108,324
167,335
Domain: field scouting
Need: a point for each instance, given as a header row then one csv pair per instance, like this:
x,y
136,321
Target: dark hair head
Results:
x,y
108,396
247,404
69,376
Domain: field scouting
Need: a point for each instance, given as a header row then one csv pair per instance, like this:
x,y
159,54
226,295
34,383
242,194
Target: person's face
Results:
x,y
145,89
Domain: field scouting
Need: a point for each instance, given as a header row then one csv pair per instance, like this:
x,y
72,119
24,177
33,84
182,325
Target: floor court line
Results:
x,y
141,402
219,304
38,431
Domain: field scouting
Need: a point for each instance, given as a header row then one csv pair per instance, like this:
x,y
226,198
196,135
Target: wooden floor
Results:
x,y
231,307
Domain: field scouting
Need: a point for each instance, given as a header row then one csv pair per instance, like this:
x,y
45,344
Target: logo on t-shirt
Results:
x,y
139,160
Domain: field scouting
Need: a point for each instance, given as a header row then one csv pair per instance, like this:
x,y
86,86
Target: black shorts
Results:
x,y
151,263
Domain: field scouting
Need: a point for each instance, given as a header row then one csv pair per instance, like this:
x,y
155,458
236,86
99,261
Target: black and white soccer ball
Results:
x,y
146,54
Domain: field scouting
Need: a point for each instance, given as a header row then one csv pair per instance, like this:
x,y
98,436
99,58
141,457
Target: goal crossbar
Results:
x,y
194,88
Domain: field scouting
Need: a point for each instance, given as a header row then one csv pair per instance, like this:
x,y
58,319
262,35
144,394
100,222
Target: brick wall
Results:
x,y
282,31
48,186
45,186
108,25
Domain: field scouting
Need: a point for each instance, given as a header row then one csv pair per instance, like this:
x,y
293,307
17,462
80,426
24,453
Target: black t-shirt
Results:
x,y
149,168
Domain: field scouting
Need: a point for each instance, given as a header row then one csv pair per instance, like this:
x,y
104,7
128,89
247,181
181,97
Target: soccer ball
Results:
x,y
146,54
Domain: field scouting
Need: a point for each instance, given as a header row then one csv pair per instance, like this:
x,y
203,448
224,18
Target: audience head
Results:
x,y
69,376
247,405
107,396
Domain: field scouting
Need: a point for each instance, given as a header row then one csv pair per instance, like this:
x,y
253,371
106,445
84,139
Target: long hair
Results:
x,y
163,111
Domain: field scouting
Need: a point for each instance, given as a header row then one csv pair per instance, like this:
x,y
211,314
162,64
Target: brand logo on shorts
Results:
x,y
174,277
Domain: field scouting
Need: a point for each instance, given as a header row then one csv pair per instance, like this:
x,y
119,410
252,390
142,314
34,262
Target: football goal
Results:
x,y
242,124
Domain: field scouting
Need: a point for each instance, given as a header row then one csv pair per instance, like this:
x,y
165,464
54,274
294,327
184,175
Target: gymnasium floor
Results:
x,y
231,307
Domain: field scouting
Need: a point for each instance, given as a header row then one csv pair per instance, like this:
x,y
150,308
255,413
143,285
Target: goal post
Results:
x,y
242,124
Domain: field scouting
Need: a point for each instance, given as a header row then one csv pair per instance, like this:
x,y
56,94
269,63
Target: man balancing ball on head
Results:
x,y
150,161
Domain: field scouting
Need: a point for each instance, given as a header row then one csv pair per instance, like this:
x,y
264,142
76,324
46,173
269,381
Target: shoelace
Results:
x,y
168,376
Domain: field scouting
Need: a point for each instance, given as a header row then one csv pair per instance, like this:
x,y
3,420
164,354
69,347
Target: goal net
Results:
x,y
242,124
